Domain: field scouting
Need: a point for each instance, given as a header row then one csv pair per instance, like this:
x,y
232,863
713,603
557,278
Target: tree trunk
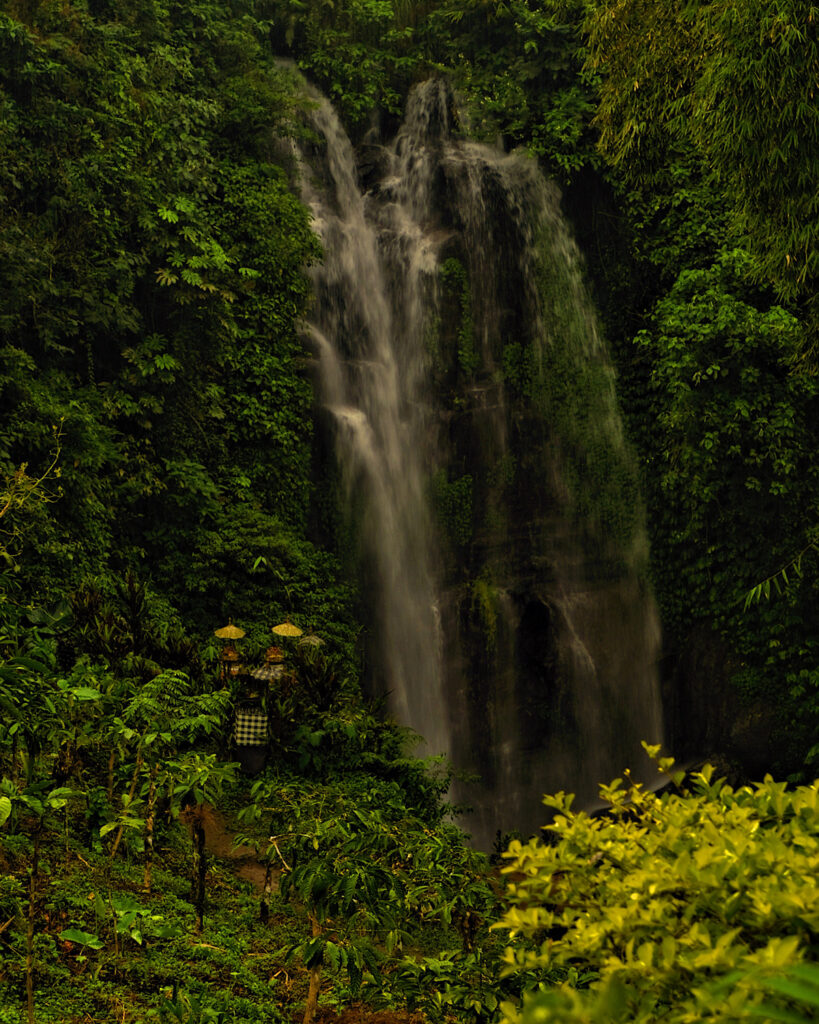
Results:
x,y
131,793
112,760
201,868
32,901
264,907
315,978
149,833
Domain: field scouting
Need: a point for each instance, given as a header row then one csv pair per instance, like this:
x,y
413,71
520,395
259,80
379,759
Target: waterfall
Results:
x,y
483,464
367,328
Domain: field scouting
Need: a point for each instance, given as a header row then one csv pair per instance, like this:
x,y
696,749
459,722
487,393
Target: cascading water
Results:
x,y
368,331
483,463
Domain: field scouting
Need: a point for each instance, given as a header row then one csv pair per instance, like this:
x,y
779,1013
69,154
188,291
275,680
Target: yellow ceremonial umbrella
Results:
x,y
229,658
287,628
229,632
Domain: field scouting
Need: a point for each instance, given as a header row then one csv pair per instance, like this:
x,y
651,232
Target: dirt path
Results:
x,y
219,843
359,1014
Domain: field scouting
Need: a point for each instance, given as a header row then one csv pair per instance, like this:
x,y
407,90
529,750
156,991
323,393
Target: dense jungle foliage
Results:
x,y
157,475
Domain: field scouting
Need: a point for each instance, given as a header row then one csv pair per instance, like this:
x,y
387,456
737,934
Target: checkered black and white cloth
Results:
x,y
250,727
267,673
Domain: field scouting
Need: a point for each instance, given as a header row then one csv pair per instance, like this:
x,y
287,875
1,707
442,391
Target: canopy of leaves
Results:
x,y
737,80
151,277
519,66
732,474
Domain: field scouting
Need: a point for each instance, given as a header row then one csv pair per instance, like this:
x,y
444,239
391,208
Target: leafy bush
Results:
x,y
686,905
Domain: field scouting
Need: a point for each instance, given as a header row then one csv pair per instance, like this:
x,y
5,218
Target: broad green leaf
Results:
x,y
82,938
85,693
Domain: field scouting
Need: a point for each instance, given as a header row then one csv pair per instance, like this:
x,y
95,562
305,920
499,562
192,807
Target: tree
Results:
x,y
196,780
731,477
163,715
152,256
520,66
735,79
27,808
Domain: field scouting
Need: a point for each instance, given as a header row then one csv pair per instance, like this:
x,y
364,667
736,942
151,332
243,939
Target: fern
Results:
x,y
169,702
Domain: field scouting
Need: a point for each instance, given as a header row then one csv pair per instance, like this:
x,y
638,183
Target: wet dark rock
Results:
x,y
372,162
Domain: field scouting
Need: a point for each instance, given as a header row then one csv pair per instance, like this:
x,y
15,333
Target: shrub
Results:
x,y
688,906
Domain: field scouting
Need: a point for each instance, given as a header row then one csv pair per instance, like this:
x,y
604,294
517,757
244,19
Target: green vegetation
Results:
x,y
115,903
152,262
733,478
692,905
697,901
455,280
452,500
735,82
158,474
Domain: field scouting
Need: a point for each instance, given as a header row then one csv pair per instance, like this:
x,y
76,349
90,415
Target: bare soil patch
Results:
x,y
219,843
360,1014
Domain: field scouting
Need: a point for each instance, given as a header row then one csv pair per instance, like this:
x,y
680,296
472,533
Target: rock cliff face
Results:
x,y
484,470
